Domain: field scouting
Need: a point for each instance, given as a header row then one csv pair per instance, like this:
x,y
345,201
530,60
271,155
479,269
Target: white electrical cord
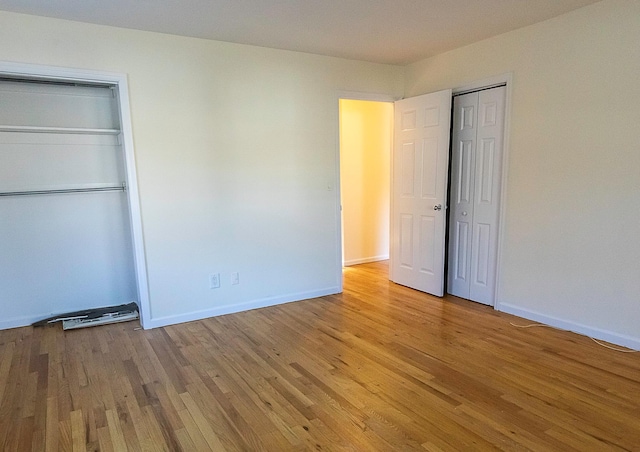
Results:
x,y
594,340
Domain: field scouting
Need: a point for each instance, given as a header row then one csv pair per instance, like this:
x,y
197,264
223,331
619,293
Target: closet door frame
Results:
x,y
502,79
119,82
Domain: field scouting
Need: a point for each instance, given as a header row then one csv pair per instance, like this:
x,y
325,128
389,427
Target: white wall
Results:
x,y
571,248
236,150
365,166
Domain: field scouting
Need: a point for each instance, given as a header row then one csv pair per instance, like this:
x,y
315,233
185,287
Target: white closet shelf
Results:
x,y
69,130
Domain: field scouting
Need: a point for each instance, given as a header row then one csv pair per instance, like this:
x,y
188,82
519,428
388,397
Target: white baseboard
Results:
x,y
198,315
233,308
21,321
596,333
365,260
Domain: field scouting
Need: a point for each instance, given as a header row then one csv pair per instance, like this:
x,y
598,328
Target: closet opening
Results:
x,y
69,207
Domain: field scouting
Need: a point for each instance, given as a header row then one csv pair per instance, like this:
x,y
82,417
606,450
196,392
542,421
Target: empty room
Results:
x,y
363,225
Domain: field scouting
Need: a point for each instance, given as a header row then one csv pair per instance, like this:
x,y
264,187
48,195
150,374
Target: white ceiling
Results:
x,y
384,31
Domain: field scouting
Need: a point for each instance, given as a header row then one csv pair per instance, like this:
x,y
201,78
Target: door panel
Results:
x,y
464,172
481,254
462,193
429,176
420,166
406,241
408,169
427,240
487,187
486,166
461,248
475,193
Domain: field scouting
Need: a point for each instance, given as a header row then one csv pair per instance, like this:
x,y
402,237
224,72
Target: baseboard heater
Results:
x,y
94,317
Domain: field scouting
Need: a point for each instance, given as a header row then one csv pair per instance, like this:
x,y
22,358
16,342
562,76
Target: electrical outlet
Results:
x,y
214,281
235,278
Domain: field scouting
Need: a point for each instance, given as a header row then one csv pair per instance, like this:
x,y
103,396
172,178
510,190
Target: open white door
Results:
x,y
419,191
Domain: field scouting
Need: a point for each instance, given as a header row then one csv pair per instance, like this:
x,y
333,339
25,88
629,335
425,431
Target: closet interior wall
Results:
x,y
65,237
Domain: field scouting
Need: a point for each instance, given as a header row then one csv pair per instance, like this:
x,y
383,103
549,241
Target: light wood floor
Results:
x,y
380,367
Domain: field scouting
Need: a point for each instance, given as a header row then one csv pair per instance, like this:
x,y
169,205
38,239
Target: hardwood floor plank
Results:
x,y
195,435
202,423
78,434
122,418
116,435
160,432
233,416
140,422
379,367
51,426
209,409
184,440
65,442
6,353
104,440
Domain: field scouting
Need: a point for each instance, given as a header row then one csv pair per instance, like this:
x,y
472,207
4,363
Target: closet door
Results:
x,y
64,223
475,194
465,112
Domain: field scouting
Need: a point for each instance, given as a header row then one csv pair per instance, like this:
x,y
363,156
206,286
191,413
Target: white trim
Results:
x,y
596,333
366,260
357,95
486,82
507,79
120,82
338,201
502,225
39,72
135,215
392,207
18,322
246,306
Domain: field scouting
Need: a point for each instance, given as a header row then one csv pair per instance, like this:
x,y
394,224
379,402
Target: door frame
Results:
x,y
119,82
348,95
507,80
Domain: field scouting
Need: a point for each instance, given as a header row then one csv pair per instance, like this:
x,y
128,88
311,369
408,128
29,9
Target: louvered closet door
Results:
x,y
61,252
478,129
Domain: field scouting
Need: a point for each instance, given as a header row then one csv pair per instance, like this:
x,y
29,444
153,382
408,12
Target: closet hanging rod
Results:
x,y
59,130
122,187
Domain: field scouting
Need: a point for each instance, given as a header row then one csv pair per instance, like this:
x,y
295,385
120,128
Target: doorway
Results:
x,y
365,154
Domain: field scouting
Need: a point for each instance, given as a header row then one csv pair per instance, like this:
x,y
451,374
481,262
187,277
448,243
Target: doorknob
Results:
x,y
438,207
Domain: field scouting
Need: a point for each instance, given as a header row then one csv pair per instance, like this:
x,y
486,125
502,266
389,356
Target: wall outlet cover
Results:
x,y
214,281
